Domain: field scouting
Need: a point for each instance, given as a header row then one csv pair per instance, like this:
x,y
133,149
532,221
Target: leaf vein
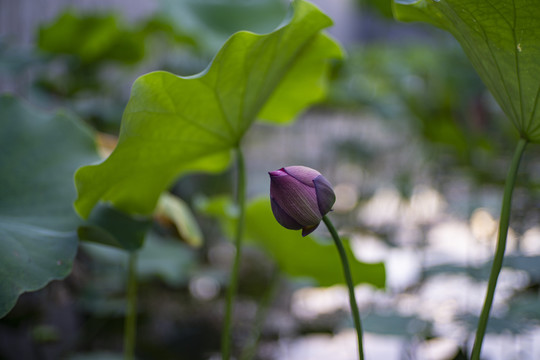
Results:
x,y
479,61
533,112
497,66
187,120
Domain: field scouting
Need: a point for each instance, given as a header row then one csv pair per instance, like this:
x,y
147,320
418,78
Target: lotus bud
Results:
x,y
300,197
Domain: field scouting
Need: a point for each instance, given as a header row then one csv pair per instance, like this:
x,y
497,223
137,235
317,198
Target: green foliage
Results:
x,y
172,208
211,22
174,124
160,257
501,40
424,81
78,47
319,259
38,155
383,7
97,356
109,226
430,91
92,39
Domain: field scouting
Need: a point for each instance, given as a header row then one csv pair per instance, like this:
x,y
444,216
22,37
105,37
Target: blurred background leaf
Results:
x,y
163,258
109,226
305,257
299,257
39,153
172,209
92,39
211,22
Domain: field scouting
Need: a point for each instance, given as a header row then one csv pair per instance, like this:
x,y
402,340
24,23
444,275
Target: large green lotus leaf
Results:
x,y
175,124
501,40
38,155
297,256
306,257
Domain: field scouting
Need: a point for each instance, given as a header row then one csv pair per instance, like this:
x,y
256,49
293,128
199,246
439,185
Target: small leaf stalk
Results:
x,y
226,339
500,249
350,284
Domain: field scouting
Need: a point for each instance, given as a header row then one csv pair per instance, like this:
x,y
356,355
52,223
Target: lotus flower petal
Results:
x,y
325,194
300,197
283,218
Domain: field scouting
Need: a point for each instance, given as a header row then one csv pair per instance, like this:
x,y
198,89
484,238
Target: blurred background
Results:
x,y
417,151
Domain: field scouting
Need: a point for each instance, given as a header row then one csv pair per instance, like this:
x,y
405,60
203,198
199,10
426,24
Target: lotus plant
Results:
x,y
300,198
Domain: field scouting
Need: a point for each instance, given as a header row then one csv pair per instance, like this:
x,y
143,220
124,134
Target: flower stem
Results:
x,y
499,252
130,323
350,284
226,338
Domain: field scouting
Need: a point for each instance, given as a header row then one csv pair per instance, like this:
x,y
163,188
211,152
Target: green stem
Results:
x,y
350,285
130,323
233,283
499,252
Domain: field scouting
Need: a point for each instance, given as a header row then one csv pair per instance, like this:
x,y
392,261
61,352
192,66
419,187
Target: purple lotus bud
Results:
x,y
300,197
